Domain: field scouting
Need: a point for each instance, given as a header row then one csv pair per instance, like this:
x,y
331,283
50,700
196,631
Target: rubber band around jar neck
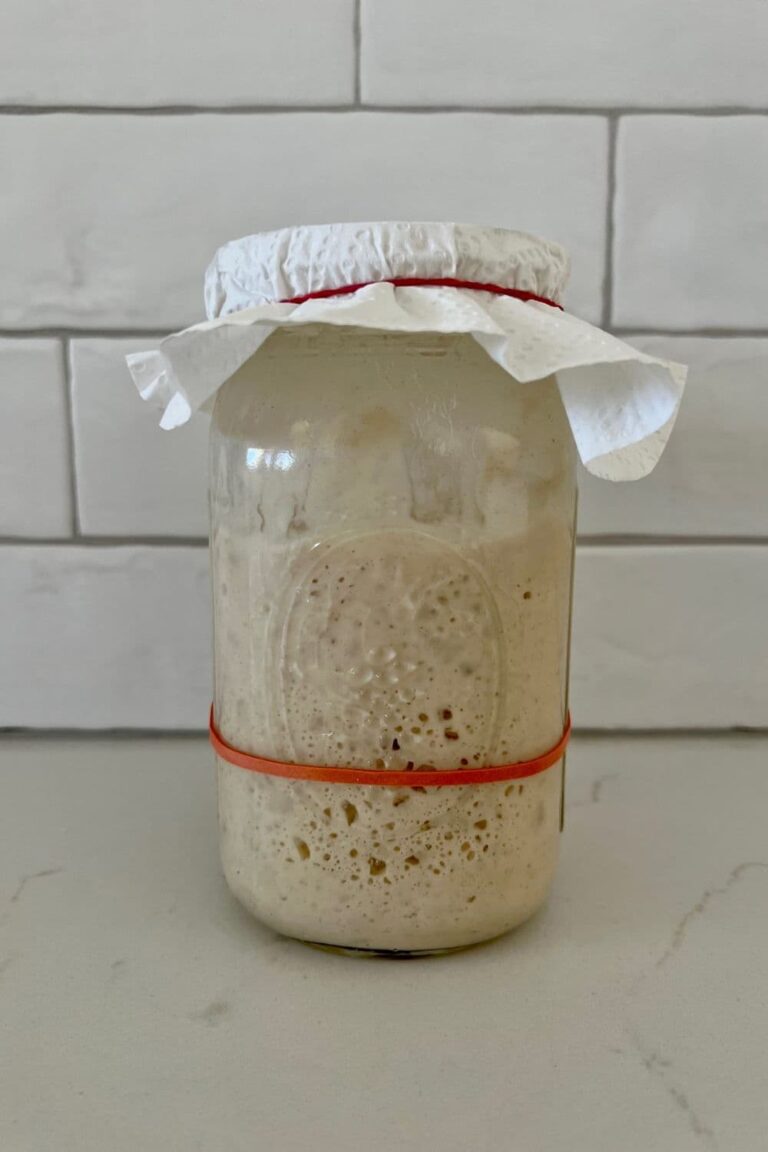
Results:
x,y
425,282
417,778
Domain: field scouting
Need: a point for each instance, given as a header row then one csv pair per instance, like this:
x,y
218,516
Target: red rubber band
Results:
x,y
425,282
383,778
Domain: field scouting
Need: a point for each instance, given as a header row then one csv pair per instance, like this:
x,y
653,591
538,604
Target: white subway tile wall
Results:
x,y
607,54
104,637
670,637
135,139
189,53
35,489
119,637
111,220
691,221
713,477
133,479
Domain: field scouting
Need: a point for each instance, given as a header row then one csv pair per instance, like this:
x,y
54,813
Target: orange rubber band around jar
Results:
x,y
420,778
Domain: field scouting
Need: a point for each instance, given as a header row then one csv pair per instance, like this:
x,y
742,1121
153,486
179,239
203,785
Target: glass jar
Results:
x,y
392,533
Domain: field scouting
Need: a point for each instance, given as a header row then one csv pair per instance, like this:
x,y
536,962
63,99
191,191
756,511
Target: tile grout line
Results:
x,y
89,542
363,106
93,332
610,222
667,540
711,332
73,485
357,37
15,732
585,541
109,333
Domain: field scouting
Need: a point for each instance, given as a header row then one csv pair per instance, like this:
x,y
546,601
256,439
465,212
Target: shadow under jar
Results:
x,y
392,535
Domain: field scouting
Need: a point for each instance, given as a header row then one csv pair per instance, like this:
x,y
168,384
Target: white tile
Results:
x,y
691,222
104,637
119,637
673,637
111,220
34,454
111,53
609,52
132,478
713,477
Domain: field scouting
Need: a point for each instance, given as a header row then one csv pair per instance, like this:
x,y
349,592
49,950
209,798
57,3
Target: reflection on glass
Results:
x,y
279,458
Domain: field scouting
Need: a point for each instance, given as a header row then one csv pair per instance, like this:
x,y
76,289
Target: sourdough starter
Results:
x,y
397,596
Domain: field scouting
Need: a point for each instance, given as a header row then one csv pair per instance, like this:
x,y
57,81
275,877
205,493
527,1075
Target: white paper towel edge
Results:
x,y
621,403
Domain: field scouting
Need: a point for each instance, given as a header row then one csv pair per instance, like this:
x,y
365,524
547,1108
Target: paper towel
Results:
x,y
621,403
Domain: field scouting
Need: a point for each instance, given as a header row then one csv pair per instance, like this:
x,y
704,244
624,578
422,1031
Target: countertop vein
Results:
x,y
140,1007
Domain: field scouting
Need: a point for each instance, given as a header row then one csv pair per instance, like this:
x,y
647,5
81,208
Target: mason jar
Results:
x,y
396,412
392,535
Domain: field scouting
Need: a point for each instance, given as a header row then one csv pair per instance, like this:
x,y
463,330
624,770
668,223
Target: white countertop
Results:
x,y
142,1011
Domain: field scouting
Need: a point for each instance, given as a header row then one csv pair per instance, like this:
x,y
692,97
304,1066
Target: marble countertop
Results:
x,y
142,1011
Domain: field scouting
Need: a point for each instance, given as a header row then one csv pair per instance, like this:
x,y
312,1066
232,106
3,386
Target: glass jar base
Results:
x,y
394,953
